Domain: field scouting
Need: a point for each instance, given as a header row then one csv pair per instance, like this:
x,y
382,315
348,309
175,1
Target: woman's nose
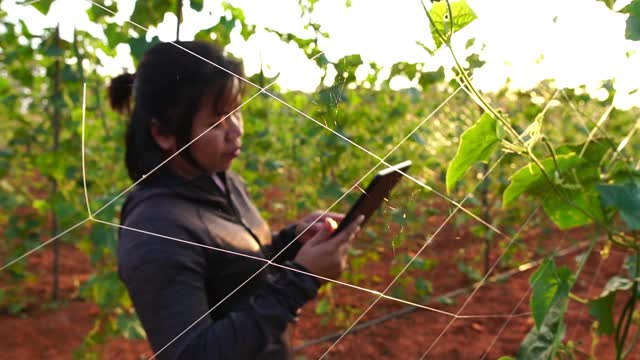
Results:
x,y
236,128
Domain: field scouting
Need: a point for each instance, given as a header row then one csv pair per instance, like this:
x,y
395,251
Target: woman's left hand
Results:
x,y
319,221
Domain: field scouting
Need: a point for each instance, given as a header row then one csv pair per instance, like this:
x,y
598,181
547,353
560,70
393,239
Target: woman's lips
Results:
x,y
234,153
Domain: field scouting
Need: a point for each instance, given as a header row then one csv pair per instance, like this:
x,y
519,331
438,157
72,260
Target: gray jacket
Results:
x,y
173,284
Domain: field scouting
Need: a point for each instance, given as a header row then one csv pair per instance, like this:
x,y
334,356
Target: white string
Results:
x,y
261,90
91,216
298,111
277,99
422,306
42,245
319,217
28,2
84,173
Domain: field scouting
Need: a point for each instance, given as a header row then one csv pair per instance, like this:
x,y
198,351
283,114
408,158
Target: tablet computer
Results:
x,y
373,196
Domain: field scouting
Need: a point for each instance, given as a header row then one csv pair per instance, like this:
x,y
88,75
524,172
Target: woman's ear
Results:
x,y
166,142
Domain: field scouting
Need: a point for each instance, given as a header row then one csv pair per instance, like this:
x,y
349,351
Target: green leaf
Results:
x,y
542,342
609,3
632,31
43,5
105,290
531,179
566,216
151,12
476,144
428,78
323,307
5,162
96,13
115,35
602,307
423,287
595,149
140,45
196,4
348,65
222,31
625,198
129,326
462,16
550,285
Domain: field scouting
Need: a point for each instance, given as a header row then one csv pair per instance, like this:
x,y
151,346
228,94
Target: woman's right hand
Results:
x,y
324,255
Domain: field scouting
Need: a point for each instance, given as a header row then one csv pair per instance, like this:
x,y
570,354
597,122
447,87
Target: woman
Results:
x,y
196,302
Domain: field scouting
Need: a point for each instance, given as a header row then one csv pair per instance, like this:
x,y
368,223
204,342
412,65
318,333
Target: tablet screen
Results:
x,y
373,196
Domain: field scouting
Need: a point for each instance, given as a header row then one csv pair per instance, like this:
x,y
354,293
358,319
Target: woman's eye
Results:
x,y
220,121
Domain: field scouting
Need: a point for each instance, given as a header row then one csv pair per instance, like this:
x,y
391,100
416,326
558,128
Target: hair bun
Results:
x,y
120,91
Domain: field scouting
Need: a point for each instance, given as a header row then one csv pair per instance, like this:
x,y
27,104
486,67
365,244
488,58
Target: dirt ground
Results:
x,y
41,333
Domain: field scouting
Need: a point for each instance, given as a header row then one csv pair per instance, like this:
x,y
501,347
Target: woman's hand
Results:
x,y
306,221
325,255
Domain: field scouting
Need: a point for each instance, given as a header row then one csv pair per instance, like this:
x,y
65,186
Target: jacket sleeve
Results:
x,y
279,241
166,282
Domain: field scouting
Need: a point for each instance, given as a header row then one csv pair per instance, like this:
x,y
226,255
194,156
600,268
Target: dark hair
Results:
x,y
169,86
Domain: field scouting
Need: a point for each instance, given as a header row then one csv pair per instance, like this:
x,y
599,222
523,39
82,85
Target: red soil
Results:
x,y
54,333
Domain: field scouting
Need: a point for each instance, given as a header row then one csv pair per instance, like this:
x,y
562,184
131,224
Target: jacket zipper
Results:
x,y
239,216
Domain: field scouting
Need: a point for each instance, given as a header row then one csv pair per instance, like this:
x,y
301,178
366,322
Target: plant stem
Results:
x,y
622,326
631,344
552,153
575,297
507,126
179,16
486,215
626,317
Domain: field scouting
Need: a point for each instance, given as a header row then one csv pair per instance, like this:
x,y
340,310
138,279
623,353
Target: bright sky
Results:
x,y
583,46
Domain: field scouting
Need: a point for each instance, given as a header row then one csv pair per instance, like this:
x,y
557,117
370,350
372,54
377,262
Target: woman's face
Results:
x,y
216,148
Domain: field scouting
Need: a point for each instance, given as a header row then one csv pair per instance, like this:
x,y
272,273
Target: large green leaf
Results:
x,y
593,153
579,188
476,144
541,343
550,285
531,179
463,15
602,307
566,216
625,198
632,32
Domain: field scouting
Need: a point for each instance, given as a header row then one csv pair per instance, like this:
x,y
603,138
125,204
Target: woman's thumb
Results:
x,y
327,228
